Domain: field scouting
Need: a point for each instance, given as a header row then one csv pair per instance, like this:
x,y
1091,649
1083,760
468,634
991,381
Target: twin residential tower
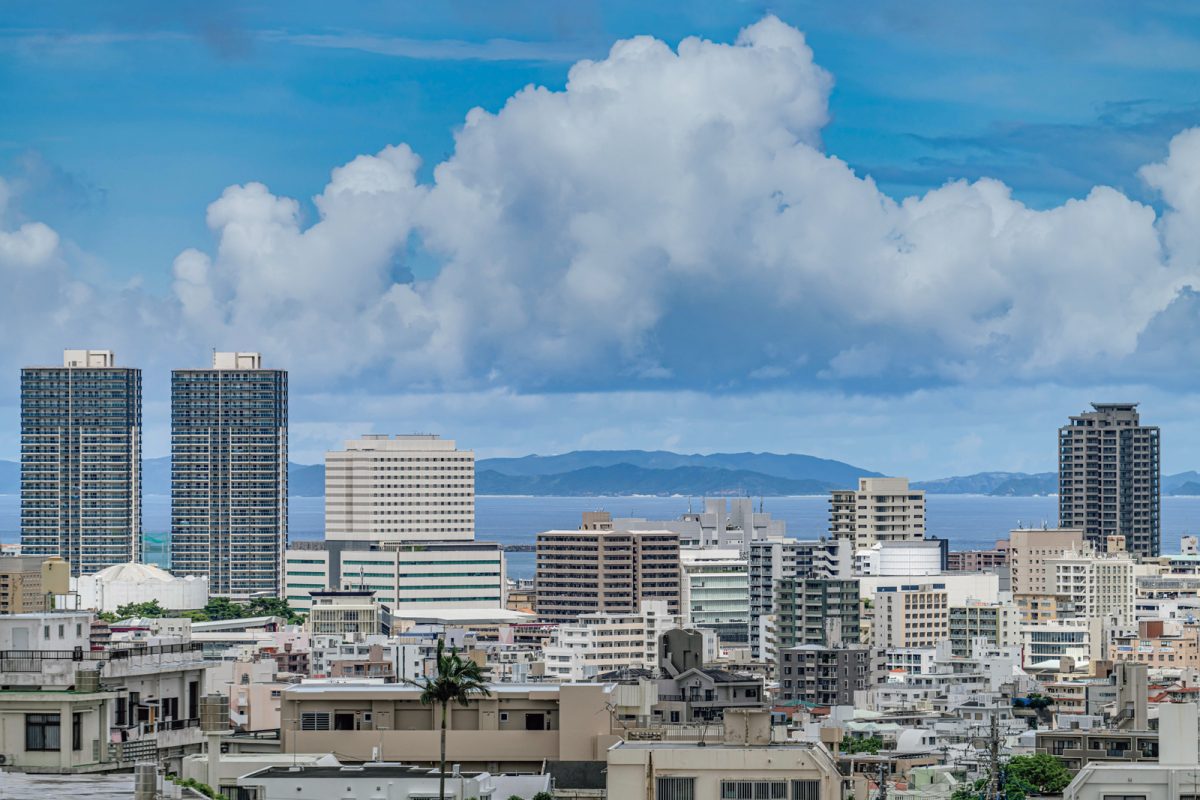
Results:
x,y
81,468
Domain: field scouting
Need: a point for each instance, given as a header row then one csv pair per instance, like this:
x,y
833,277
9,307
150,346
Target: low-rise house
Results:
x,y
68,707
1172,777
514,730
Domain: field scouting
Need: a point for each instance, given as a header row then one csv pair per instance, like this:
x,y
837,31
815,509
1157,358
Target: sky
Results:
x,y
914,236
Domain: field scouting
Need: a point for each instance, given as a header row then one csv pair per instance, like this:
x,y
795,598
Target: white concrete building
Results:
x,y
1097,585
879,510
960,587
598,643
122,584
747,764
911,557
723,523
348,612
716,592
1173,777
402,488
409,578
407,655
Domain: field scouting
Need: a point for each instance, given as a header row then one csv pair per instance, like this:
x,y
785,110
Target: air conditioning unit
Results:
x,y
3,760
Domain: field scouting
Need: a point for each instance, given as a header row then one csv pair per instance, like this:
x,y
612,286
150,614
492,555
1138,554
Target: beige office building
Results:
x,y
879,510
1028,552
26,582
604,571
400,488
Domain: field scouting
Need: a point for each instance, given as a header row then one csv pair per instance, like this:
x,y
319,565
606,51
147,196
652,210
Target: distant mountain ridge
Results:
x,y
586,473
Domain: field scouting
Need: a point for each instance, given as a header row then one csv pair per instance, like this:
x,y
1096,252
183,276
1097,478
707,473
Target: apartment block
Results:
x,y
26,582
229,451
716,592
597,643
822,676
1096,586
1159,644
605,571
817,611
408,577
1108,477
81,461
1030,549
879,510
400,488
910,616
978,560
998,623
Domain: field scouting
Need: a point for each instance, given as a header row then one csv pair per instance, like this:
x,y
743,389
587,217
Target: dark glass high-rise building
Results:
x,y
1108,478
81,461
229,491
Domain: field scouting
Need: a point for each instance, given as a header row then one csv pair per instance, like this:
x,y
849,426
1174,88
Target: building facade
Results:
x,y
822,611
605,571
81,461
1108,477
998,623
716,592
1029,550
916,615
879,510
407,577
814,675
598,643
400,488
1096,586
27,582
229,491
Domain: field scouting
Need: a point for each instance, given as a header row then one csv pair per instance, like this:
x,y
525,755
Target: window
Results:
x,y
753,790
315,721
1124,797
673,788
806,790
504,716
77,731
41,732
535,722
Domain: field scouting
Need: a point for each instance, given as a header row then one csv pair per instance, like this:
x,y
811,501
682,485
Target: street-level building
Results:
x,y
814,675
28,582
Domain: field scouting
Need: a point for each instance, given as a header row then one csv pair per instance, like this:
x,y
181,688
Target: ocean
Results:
x,y
968,521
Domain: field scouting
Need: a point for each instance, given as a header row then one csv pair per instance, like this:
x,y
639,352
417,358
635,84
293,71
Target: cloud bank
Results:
x,y
669,220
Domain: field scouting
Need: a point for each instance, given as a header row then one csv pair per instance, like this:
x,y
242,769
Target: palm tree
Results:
x,y
456,680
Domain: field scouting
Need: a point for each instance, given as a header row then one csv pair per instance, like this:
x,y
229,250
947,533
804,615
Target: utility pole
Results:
x,y
882,781
995,786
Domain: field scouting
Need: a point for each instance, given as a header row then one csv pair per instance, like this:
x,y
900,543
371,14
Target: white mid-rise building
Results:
x,y
879,510
1097,586
408,578
912,557
599,643
716,592
401,488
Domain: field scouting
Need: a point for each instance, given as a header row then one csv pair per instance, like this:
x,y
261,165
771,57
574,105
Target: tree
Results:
x,y
273,607
455,680
543,796
222,608
151,608
1043,773
868,744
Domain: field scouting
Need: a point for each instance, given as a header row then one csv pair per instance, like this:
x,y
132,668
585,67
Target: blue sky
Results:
x,y
121,124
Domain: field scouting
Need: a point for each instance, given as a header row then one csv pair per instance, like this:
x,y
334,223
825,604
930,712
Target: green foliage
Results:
x,y
868,744
107,616
222,608
542,796
192,783
273,607
1042,773
151,608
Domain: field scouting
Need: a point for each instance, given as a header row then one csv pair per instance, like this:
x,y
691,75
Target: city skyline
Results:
x,y
730,295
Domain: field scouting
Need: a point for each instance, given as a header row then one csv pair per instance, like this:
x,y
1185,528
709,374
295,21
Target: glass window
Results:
x,y
41,732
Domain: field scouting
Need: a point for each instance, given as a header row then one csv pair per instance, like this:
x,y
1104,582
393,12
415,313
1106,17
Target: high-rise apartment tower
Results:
x,y
1108,478
81,461
229,491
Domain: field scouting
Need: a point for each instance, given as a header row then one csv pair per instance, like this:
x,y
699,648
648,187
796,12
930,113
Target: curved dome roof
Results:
x,y
135,573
